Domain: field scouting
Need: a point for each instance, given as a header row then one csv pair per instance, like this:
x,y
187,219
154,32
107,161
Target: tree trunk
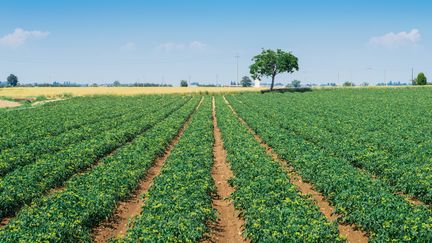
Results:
x,y
272,83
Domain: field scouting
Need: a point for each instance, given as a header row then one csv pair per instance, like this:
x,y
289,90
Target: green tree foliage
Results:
x,y
421,79
246,82
12,80
270,63
183,83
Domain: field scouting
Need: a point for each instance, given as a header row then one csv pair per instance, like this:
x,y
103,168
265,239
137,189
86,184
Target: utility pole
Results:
x,y
217,79
412,75
237,58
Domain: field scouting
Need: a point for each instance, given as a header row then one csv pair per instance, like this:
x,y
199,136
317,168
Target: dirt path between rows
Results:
x,y
348,231
8,104
116,226
228,227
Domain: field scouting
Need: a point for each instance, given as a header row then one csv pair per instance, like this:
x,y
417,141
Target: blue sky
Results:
x,y
165,41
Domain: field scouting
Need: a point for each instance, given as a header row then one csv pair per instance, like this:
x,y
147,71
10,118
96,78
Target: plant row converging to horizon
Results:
x,y
65,167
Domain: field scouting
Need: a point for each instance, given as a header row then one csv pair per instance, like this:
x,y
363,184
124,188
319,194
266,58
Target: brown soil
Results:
x,y
412,200
7,104
228,227
4,221
25,99
116,226
349,231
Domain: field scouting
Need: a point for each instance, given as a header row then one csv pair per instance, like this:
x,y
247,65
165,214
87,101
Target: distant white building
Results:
x,y
257,83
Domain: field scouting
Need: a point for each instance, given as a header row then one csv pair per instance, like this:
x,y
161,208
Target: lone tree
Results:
x,y
246,82
183,83
270,63
12,80
296,83
421,79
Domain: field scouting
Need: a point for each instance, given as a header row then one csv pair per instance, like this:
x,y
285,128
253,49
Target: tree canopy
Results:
x,y
183,83
269,63
12,80
421,79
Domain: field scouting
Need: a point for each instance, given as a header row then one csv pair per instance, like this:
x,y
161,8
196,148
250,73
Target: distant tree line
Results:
x,y
117,83
149,85
208,85
203,85
12,81
392,83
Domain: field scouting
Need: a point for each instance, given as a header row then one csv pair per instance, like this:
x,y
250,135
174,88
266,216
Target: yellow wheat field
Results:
x,y
52,92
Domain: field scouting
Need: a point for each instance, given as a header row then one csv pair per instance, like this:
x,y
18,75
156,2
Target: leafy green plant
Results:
x,y
15,157
89,198
360,199
178,205
272,207
29,182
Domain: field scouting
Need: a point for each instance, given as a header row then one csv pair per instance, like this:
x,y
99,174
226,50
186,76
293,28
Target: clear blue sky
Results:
x,y
155,41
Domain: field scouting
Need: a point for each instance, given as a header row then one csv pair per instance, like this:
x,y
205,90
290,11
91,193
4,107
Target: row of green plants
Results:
x,y
273,209
178,206
357,197
397,153
12,158
89,198
29,182
24,126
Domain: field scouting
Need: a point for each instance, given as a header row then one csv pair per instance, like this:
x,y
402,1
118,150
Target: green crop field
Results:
x,y
329,165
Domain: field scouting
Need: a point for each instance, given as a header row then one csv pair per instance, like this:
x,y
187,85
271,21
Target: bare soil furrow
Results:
x,y
228,227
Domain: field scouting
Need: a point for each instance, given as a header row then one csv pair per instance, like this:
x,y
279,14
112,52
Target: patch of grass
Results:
x,y
41,98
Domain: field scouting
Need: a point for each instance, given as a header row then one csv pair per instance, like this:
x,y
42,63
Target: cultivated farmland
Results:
x,y
321,166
